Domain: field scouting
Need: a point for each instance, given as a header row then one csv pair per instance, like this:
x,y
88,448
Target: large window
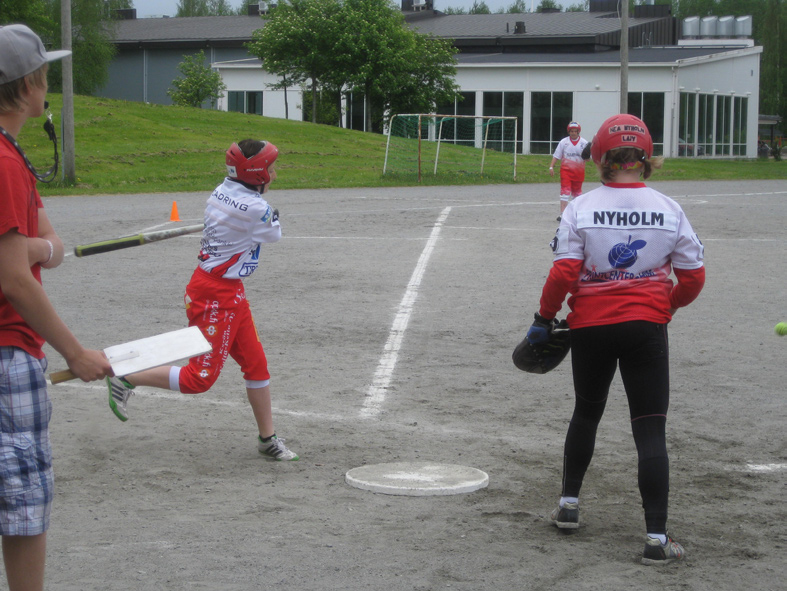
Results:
x,y
355,116
723,125
720,123
505,104
740,114
245,101
705,123
687,126
550,113
459,128
649,106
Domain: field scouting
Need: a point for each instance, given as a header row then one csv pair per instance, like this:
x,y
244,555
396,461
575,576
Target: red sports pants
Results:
x,y
219,308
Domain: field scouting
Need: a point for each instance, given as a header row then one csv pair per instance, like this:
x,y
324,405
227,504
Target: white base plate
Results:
x,y
417,479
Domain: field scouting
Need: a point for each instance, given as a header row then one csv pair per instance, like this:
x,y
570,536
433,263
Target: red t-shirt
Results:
x,y
20,204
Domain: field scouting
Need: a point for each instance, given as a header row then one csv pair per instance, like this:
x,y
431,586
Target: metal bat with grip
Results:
x,y
134,240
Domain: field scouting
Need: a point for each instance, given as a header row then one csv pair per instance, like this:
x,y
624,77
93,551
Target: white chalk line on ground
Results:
x,y
375,397
766,467
441,430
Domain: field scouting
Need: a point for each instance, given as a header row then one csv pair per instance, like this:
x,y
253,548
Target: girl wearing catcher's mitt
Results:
x,y
614,252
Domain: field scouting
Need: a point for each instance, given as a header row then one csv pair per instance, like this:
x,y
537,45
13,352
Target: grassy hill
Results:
x,y
129,147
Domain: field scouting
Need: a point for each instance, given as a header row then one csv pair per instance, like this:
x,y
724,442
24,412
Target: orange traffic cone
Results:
x,y
173,217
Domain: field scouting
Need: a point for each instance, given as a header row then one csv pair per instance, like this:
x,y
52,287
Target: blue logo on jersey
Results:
x,y
622,256
267,215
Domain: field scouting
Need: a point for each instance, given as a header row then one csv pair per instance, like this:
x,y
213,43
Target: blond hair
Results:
x,y
628,159
11,92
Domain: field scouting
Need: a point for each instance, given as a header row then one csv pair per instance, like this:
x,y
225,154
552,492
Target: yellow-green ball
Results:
x,y
781,329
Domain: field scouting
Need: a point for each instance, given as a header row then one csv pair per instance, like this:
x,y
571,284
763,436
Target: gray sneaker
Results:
x,y
276,450
566,517
119,393
657,553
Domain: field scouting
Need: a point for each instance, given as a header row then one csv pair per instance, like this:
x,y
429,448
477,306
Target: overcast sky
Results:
x,y
170,7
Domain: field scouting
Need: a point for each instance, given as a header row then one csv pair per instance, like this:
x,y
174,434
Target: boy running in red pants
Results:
x,y
237,221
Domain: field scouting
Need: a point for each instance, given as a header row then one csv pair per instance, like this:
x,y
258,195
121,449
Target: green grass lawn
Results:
x,y
129,147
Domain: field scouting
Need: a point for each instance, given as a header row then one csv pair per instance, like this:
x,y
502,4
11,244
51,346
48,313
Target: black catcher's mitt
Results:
x,y
547,355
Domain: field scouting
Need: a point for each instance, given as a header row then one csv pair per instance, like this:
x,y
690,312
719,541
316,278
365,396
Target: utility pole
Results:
x,y
69,166
624,56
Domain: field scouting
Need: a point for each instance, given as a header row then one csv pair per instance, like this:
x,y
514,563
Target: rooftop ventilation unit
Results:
x,y
743,26
691,27
709,26
726,26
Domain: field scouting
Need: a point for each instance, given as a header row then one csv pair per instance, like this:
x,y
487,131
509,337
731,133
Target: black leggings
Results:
x,y
641,350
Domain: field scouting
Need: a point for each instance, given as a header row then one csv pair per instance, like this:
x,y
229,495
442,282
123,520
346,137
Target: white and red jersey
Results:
x,y
237,221
569,153
614,252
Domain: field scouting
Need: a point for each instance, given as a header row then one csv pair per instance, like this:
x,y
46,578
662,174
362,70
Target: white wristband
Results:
x,y
51,252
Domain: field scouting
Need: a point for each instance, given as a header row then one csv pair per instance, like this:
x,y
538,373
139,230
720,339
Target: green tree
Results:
x,y
221,8
479,8
91,43
298,42
769,24
579,7
396,68
193,8
518,7
33,13
452,10
198,84
547,5
427,80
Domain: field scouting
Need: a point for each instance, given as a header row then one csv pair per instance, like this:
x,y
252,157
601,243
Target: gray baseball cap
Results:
x,y
22,52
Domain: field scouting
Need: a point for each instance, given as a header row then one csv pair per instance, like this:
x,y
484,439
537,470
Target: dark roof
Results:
x,y
216,30
638,55
556,24
482,28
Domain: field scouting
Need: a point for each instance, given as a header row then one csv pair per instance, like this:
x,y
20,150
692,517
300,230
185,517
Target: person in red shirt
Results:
x,y
614,253
28,243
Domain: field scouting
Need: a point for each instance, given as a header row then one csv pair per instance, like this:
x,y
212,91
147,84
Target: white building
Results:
x,y
699,95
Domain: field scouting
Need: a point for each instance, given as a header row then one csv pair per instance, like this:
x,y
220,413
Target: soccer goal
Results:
x,y
451,145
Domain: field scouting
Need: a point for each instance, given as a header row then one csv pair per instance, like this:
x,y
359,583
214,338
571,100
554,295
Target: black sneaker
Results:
x,y
566,517
658,553
560,217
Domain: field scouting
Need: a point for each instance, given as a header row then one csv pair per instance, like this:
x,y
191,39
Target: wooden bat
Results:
x,y
135,240
162,349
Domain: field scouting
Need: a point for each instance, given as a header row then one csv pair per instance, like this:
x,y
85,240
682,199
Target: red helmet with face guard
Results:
x,y
621,131
574,125
254,170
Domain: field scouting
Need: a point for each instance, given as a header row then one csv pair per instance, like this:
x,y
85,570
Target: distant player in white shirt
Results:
x,y
238,220
572,166
614,253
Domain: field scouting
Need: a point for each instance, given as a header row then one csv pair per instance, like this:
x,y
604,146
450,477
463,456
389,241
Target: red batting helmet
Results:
x,y
574,125
621,131
254,170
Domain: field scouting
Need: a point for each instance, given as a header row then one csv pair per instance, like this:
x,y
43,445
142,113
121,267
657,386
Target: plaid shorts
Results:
x,y
26,477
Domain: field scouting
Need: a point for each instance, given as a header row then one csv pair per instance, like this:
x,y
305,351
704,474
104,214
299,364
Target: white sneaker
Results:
x,y
276,450
119,393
